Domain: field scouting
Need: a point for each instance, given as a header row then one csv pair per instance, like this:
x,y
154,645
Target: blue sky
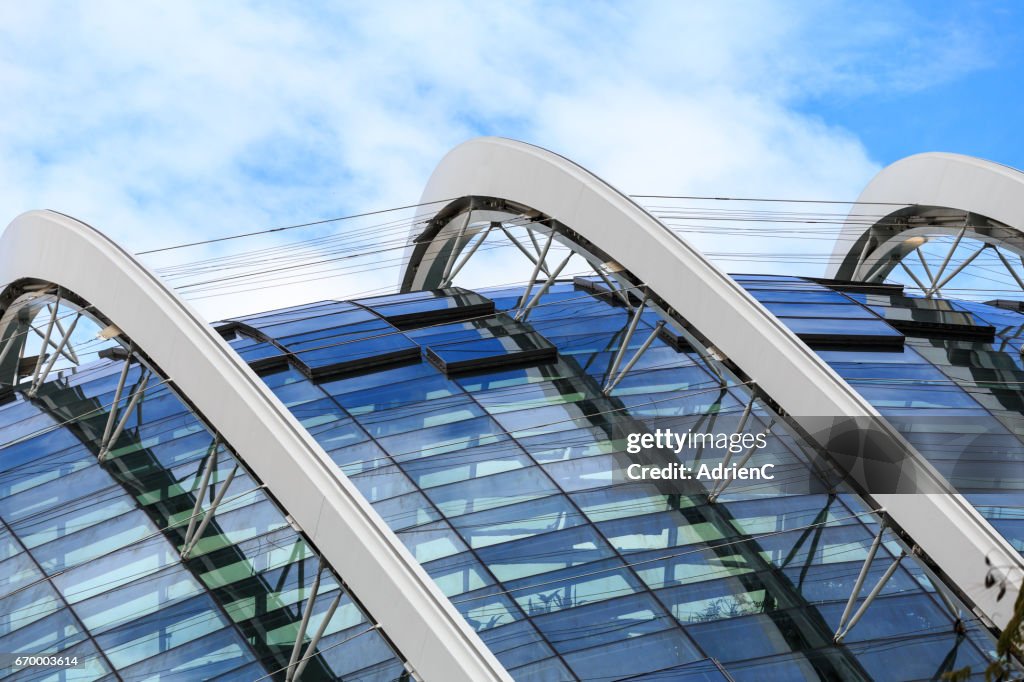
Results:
x,y
163,123
974,107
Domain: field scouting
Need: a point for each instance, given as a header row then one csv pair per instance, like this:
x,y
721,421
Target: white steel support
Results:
x,y
963,264
945,262
455,246
1006,264
924,264
533,240
300,634
311,649
39,378
8,345
336,519
204,485
724,483
109,439
525,312
615,291
211,511
954,610
920,285
69,351
624,343
465,258
46,344
945,527
846,625
531,257
636,357
541,257
930,185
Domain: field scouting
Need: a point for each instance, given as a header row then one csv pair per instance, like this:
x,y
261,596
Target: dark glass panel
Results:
x,y
422,308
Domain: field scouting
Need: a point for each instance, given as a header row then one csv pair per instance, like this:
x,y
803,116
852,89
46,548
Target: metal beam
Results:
x,y
999,253
109,440
945,261
542,256
525,312
334,517
636,357
465,258
455,247
40,376
190,543
948,529
532,258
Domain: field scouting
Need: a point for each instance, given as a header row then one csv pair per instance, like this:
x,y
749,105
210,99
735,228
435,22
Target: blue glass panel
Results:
x,y
517,644
261,355
429,307
50,635
347,653
27,604
515,522
573,587
892,616
875,356
487,608
658,531
834,581
543,553
604,623
406,511
789,668
480,494
547,670
204,658
382,483
413,393
922,658
634,655
840,327
382,379
299,312
485,460
761,635
458,574
323,317
416,416
485,343
17,572
432,541
437,440
149,635
847,310
489,352
355,355
339,338
800,296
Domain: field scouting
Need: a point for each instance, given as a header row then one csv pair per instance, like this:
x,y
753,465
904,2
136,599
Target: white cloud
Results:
x,y
163,123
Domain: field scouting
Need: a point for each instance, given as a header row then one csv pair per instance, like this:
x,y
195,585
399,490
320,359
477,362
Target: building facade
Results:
x,y
432,484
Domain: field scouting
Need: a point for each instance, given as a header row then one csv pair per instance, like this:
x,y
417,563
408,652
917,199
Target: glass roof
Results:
x,y
499,481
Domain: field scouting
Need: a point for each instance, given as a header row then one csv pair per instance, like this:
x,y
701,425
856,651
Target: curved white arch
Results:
x,y
369,557
990,191
949,531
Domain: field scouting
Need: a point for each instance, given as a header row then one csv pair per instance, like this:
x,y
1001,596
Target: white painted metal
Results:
x,y
947,529
934,179
414,613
